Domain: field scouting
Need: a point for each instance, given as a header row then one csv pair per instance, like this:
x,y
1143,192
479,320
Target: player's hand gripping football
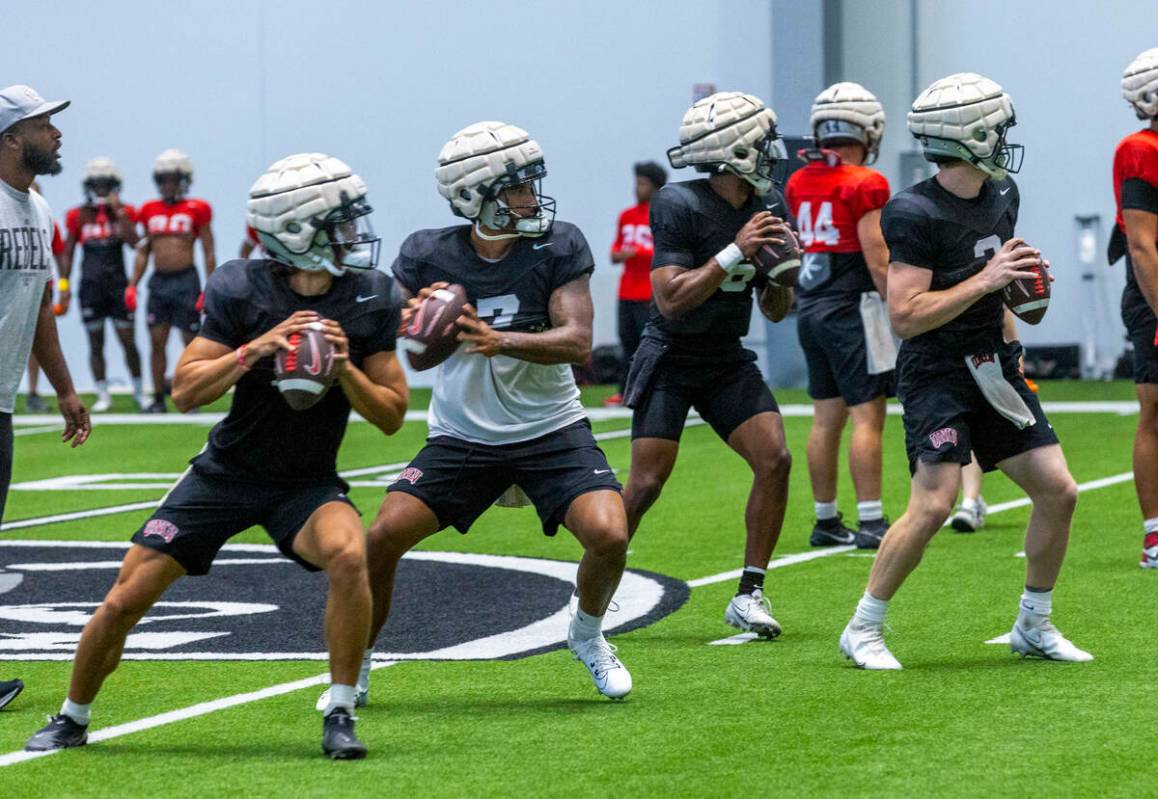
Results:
x,y
1012,262
763,228
483,338
336,336
412,304
278,337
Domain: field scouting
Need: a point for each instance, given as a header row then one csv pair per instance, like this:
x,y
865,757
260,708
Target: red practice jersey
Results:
x,y
184,218
1136,157
828,200
634,231
1135,187
57,240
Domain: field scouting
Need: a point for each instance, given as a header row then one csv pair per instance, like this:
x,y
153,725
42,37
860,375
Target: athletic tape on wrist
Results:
x,y
729,258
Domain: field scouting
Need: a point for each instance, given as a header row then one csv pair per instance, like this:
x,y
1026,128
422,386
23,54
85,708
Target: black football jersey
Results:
x,y
511,294
929,227
690,223
262,439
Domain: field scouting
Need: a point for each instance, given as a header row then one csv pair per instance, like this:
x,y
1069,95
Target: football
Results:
x,y
1028,298
780,263
432,335
305,375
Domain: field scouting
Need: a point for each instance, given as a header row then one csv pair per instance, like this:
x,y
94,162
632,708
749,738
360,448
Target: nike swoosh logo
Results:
x,y
602,471
360,298
541,246
1003,192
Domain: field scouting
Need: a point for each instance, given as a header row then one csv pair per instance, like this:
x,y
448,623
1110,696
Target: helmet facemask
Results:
x,y
183,182
344,239
96,190
771,164
519,220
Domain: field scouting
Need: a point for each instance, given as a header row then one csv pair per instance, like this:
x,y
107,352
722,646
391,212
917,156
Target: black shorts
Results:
x,y
946,417
458,480
5,458
173,299
200,513
832,337
725,395
102,296
1142,333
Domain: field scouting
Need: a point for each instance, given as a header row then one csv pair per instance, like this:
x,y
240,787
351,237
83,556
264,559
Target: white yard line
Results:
x,y
32,431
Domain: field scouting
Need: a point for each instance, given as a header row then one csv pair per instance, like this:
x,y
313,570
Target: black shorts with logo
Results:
x,y
458,480
832,337
201,512
1142,327
946,417
102,296
725,394
173,299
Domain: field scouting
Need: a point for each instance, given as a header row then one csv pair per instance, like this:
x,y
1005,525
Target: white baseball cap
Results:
x,y
21,102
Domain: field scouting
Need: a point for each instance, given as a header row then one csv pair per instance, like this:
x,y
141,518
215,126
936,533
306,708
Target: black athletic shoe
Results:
x,y
338,739
61,732
831,533
9,690
869,534
158,406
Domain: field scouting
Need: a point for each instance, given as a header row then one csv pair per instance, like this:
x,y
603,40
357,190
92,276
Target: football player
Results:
x,y
265,463
505,410
952,249
705,231
1135,232
171,224
841,315
103,226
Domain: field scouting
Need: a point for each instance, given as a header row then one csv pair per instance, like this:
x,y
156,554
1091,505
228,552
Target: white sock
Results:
x,y
102,387
1036,606
364,674
81,714
341,696
870,610
137,387
825,510
584,627
969,503
869,511
1150,525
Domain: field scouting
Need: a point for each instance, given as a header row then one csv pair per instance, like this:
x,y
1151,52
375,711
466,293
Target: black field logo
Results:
x,y
256,605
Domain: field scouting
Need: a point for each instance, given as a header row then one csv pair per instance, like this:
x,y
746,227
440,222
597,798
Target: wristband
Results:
x,y
62,284
729,258
241,352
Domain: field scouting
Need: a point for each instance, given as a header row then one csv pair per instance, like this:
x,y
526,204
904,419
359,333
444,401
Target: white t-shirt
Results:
x,y
25,269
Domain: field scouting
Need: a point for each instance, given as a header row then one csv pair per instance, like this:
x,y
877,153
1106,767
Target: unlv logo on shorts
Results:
x,y
946,435
161,529
410,475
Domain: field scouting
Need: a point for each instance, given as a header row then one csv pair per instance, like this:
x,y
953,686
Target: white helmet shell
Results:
x,y
964,116
293,201
101,168
727,131
1140,84
173,162
842,105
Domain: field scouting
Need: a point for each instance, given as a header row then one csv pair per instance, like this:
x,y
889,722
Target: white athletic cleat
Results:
x,y
969,520
102,404
142,402
611,677
1150,551
752,613
864,645
361,698
1045,641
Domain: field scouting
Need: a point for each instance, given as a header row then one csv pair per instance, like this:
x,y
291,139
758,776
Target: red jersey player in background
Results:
x,y
1135,233
171,226
35,403
842,317
249,244
103,226
633,249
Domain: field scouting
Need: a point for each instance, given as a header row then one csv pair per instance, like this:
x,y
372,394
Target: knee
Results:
x,y
1060,494
122,611
384,542
607,542
931,513
347,564
643,487
772,464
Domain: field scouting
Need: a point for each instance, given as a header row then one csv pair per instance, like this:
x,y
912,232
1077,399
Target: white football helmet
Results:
x,y
174,162
731,131
478,163
848,112
310,212
1140,84
965,117
101,177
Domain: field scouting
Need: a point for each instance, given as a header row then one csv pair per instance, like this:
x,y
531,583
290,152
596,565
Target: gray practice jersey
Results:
x,y
499,400
25,268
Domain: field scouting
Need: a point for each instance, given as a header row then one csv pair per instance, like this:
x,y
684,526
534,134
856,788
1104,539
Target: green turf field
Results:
x,y
785,718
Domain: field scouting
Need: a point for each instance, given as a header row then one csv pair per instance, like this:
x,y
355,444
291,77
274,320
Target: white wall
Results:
x,y
1062,63
239,83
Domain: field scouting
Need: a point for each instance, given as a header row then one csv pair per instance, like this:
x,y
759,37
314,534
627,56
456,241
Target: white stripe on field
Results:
x,y
32,431
193,711
111,510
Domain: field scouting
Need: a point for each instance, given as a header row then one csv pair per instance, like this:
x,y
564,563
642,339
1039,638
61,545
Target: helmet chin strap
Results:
x,y
478,229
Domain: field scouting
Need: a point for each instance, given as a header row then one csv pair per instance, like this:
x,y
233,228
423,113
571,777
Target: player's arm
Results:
x,y
247,247
46,348
568,340
378,390
208,368
141,262
1141,231
876,251
678,290
207,249
620,253
914,308
64,270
